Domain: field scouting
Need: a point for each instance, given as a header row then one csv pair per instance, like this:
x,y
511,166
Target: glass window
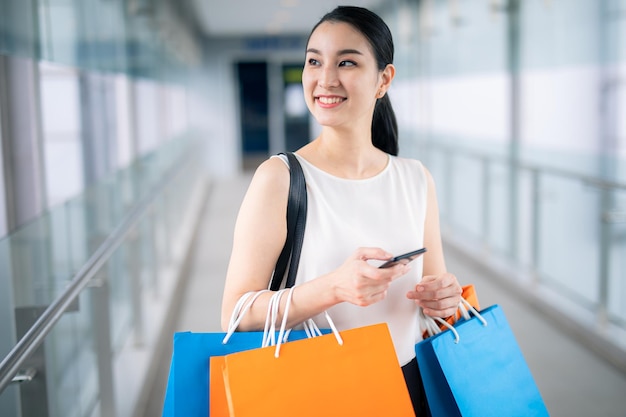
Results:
x,y
61,130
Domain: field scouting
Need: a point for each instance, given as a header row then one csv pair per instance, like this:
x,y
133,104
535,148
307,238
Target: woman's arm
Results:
x,y
439,292
259,237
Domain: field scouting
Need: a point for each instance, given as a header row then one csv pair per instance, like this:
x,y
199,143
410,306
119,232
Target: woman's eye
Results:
x,y
347,64
313,61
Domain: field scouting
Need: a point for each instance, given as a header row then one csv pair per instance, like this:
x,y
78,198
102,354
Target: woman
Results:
x,y
365,204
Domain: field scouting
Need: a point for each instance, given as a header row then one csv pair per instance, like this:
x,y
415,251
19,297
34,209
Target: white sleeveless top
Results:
x,y
386,211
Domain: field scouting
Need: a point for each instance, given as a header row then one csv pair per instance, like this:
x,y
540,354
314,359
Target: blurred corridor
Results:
x,y
129,130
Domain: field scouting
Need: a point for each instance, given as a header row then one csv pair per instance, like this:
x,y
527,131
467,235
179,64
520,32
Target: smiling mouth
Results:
x,y
331,100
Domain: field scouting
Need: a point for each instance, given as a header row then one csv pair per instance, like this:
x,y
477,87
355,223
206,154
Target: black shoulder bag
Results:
x,y
296,222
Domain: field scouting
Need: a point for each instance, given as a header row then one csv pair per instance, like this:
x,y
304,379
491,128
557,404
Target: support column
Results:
x,y
609,85
22,175
22,145
513,36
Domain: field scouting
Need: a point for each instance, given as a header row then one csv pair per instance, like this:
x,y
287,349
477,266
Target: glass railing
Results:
x,y
85,288
562,231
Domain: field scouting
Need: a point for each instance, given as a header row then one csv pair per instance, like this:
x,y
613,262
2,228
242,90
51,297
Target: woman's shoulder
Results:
x,y
272,175
278,157
410,164
275,165
414,170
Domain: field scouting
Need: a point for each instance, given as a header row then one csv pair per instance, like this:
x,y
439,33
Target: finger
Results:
x,y
367,253
445,285
434,282
423,297
440,308
386,274
440,312
443,313
428,279
412,295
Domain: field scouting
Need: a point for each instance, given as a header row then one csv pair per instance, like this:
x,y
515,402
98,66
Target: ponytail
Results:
x,y
385,127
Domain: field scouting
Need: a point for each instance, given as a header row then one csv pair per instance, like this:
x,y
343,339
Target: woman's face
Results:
x,y
341,80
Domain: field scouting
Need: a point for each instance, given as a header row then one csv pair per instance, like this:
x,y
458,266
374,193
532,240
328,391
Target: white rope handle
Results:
x,y
311,329
463,308
334,329
283,325
269,331
240,311
450,327
238,307
282,333
430,323
432,328
471,308
244,304
464,311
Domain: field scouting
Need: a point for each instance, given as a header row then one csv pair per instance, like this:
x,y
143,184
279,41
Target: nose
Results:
x,y
328,77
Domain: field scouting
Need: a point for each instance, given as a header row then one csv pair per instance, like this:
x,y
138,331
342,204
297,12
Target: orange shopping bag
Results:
x,y
218,405
239,341
360,377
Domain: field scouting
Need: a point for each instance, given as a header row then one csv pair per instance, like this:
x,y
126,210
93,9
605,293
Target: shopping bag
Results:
x,y
319,377
218,403
187,392
477,369
469,295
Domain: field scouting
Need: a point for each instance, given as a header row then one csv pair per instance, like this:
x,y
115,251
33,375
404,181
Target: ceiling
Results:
x,y
264,17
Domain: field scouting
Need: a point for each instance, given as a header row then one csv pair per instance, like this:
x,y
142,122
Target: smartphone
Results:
x,y
404,258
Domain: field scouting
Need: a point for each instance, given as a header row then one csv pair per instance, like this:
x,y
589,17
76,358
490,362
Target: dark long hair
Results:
x,y
384,124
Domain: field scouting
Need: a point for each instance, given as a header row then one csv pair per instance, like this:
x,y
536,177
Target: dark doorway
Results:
x,y
253,99
295,111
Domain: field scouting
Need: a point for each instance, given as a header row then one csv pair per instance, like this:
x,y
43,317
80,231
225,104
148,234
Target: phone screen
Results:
x,y
404,258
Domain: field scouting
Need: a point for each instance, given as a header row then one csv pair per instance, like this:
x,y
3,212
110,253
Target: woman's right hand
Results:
x,y
359,282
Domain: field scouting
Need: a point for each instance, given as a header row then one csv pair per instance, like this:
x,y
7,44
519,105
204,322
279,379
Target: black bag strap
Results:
x,y
296,222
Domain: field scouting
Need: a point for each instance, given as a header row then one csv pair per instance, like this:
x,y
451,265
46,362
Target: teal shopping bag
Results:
x,y
479,371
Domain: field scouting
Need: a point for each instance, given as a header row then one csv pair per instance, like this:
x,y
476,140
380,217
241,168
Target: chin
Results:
x,y
328,121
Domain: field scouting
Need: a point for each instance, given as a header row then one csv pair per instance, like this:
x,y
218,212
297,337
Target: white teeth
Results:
x,y
330,100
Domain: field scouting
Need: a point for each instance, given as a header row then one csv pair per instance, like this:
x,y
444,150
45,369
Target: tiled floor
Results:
x,y
574,381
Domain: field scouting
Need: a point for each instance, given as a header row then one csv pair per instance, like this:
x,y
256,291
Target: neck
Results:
x,y
346,154
346,143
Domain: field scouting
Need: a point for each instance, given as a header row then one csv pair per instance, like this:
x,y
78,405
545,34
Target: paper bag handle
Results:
x,y
432,328
281,333
269,332
240,311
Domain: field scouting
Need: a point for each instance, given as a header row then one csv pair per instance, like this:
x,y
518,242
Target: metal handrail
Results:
x,y
609,214
11,364
587,179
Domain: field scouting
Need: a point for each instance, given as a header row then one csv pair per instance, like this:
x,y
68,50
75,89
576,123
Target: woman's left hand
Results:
x,y
438,295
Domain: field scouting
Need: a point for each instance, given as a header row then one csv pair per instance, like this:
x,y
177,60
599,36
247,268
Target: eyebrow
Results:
x,y
339,53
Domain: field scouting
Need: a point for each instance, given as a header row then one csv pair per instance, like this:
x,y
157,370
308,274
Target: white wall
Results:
x,y
216,110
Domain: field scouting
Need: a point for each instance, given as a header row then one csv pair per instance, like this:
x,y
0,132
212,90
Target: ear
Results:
x,y
386,77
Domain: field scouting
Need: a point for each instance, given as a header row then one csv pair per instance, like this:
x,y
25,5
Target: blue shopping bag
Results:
x,y
187,392
478,372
